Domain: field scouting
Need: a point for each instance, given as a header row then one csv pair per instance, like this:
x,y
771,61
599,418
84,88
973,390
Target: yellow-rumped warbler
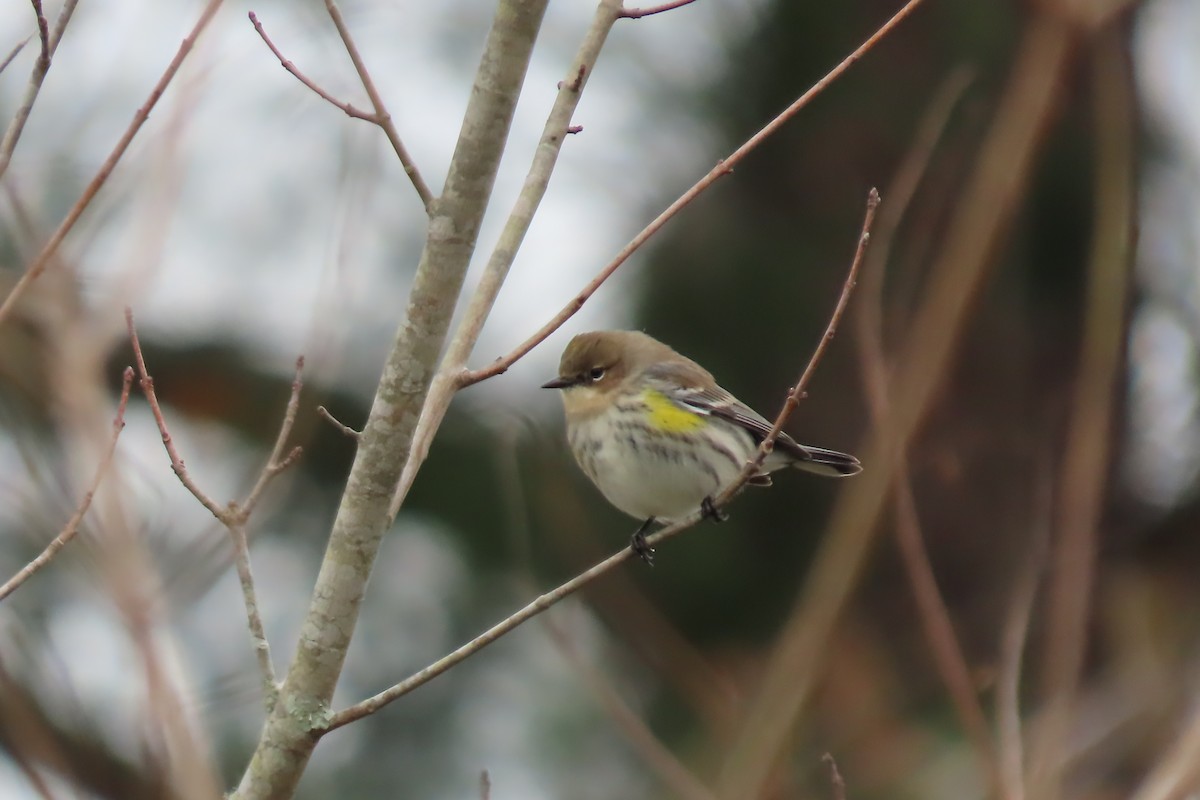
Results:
x,y
658,436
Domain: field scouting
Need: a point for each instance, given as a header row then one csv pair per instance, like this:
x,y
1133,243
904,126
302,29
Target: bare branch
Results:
x,y
41,66
385,118
1088,449
232,516
72,527
43,35
373,704
40,262
345,430
835,777
638,13
799,390
277,462
723,167
177,466
290,66
936,624
13,53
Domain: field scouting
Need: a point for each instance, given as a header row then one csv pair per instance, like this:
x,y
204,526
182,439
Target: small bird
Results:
x,y
658,436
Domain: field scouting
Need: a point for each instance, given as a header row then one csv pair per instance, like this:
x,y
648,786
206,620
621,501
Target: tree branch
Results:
x,y
379,116
49,42
233,516
72,527
638,13
40,262
936,624
385,118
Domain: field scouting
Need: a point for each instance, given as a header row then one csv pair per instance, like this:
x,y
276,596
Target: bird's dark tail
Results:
x,y
830,463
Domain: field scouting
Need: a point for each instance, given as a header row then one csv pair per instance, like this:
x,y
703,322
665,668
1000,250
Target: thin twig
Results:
x,y
545,601
177,466
1089,442
49,42
1015,637
43,35
799,390
72,527
277,462
233,516
638,13
13,53
835,777
345,430
349,109
40,262
385,118
724,167
485,785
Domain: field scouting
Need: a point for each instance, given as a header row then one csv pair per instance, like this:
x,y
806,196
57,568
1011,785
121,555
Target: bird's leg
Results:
x,y
638,543
710,511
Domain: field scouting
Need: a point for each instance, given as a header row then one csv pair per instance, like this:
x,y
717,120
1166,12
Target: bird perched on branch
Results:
x,y
659,437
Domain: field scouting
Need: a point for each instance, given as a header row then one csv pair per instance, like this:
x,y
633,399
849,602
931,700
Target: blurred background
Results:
x,y
252,222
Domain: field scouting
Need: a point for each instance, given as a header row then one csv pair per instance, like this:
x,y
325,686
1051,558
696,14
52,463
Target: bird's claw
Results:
x,y
709,511
641,548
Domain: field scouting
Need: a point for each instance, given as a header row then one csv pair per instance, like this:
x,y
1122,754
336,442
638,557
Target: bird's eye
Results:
x,y
596,374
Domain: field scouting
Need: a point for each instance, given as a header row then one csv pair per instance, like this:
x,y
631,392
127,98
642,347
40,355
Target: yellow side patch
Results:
x,y
666,416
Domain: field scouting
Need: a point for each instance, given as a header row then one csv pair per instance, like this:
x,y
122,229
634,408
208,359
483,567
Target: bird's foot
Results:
x,y
709,511
639,545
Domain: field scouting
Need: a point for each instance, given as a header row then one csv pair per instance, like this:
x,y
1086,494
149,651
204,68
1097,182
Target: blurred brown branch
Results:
x,y
379,116
996,184
42,260
233,516
72,527
1085,463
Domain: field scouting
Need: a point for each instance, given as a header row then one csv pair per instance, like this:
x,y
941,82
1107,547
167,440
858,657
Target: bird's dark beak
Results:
x,y
558,383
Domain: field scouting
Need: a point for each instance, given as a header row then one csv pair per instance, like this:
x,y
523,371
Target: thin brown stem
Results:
x,y
799,390
43,35
545,601
935,620
42,260
233,516
638,13
289,65
177,466
49,42
72,527
835,777
385,119
345,430
8,59
1088,448
724,167
277,462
